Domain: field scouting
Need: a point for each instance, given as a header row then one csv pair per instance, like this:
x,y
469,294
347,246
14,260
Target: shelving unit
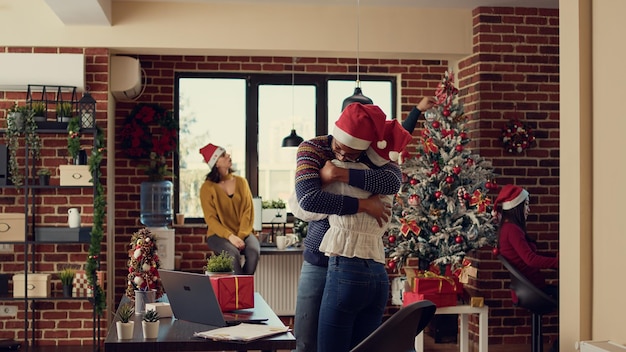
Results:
x,y
51,97
30,190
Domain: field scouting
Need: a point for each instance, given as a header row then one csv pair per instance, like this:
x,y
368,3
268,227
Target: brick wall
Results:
x,y
58,322
513,72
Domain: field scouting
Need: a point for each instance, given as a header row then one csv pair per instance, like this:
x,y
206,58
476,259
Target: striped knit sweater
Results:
x,y
311,157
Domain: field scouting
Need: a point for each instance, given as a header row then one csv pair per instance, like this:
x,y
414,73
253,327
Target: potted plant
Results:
x,y
272,211
39,111
219,263
125,325
67,278
44,176
150,324
20,126
64,111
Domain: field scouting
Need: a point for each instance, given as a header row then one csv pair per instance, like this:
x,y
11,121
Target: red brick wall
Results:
x,y
59,322
513,72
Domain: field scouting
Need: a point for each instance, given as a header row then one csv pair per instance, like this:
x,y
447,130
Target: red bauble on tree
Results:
x,y
458,239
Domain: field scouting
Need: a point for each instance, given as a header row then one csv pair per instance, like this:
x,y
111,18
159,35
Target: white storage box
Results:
x,y
162,308
38,285
75,175
12,227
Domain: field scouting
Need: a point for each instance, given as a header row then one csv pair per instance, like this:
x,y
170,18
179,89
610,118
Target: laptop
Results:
x,y
192,298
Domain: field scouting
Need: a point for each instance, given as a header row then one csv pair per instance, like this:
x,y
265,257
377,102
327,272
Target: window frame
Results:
x,y
253,81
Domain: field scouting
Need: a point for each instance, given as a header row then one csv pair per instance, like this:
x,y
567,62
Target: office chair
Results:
x,y
398,333
527,295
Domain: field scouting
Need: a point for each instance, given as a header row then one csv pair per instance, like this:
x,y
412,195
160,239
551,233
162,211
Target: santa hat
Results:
x,y
396,138
211,153
359,125
510,196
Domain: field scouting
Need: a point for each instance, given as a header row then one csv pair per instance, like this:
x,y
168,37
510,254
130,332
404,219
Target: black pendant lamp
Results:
x,y
292,140
357,96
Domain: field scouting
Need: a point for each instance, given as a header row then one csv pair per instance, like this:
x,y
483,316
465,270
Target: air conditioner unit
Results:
x,y
18,70
601,346
126,78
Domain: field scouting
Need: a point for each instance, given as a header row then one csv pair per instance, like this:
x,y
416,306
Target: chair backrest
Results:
x,y
528,295
398,332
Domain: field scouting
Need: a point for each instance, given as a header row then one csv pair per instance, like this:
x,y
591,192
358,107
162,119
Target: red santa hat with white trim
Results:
x,y
396,139
211,153
510,196
360,125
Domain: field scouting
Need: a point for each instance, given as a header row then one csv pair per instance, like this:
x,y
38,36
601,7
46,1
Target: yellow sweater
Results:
x,y
224,214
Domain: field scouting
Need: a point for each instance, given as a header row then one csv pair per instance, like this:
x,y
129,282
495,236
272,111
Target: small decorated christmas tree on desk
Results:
x,y
144,283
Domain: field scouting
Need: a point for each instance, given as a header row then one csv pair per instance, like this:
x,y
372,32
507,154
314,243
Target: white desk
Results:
x,y
464,312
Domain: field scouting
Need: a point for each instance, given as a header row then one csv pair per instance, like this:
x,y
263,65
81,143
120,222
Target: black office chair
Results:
x,y
533,299
398,332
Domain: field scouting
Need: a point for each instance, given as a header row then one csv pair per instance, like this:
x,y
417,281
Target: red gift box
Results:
x,y
234,291
439,299
438,285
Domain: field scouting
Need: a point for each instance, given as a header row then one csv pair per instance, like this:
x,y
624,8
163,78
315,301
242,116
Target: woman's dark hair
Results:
x,y
214,174
515,216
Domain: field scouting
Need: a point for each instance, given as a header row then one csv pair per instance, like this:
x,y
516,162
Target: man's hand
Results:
x,y
426,103
332,173
375,207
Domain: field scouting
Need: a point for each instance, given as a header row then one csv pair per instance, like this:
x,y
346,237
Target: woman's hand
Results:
x,y
237,242
426,103
376,208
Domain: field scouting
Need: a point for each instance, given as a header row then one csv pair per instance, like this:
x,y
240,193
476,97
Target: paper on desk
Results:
x,y
242,332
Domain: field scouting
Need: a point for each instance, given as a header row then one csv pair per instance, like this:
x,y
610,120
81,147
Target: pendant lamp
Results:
x,y
292,140
357,96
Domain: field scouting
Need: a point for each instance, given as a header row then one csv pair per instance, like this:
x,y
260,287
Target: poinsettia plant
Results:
x,y
150,132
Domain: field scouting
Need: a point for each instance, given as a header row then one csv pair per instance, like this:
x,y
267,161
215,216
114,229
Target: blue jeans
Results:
x,y
310,290
353,303
252,252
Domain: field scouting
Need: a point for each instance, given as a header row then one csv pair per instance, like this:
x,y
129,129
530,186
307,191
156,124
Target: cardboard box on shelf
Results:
x,y
38,285
12,227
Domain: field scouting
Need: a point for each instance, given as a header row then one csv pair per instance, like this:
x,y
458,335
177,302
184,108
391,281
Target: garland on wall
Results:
x,y
97,231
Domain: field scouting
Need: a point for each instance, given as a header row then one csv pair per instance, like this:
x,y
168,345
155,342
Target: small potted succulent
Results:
x,y
67,278
44,176
150,324
218,264
125,325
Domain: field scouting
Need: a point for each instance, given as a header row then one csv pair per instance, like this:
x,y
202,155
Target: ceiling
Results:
x,y
98,12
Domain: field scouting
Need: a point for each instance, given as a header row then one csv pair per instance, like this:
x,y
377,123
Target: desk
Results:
x,y
464,311
177,335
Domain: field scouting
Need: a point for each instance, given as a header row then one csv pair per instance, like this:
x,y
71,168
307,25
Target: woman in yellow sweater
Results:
x,y
227,206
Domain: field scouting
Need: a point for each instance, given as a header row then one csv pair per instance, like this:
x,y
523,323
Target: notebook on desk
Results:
x,y
192,298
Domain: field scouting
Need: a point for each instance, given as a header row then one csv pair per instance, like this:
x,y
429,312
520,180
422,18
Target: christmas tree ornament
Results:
x,y
459,148
495,251
449,179
430,115
458,239
435,229
456,169
413,182
436,124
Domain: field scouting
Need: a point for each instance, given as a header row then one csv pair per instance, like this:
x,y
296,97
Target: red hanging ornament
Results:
x,y
459,148
446,112
414,200
463,135
391,239
458,239
495,251
438,194
467,196
449,179
413,182
435,229
470,161
456,170
488,185
392,264
435,124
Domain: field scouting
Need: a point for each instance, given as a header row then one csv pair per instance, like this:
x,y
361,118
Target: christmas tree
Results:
x,y
143,264
442,211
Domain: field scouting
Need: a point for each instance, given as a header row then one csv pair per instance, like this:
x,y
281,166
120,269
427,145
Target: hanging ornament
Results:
x,y
446,112
391,239
408,227
495,251
435,124
480,201
449,179
430,115
456,169
413,182
459,148
435,229
414,200
458,239
392,264
438,194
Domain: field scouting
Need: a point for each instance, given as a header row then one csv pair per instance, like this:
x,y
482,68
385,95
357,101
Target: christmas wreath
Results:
x,y
150,132
517,137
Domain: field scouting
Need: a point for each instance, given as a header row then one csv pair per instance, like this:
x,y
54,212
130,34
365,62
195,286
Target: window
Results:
x,y
249,115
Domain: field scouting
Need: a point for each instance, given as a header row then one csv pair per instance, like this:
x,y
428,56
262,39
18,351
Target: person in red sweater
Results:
x,y
514,244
